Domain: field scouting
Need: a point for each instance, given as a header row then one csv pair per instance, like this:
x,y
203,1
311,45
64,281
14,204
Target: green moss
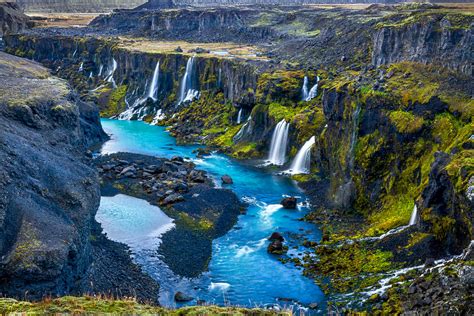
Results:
x,y
350,266
441,226
416,238
405,122
116,101
245,150
396,211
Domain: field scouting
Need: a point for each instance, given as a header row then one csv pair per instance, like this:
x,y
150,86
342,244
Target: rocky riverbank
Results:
x,y
201,211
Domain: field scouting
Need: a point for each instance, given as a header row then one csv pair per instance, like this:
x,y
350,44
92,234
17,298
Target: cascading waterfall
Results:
x,y
313,93
158,117
302,161
304,90
239,116
244,130
101,68
414,216
188,93
277,155
110,76
153,91
81,67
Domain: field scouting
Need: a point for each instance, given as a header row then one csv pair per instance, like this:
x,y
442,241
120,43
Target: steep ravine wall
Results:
x,y
375,147
433,40
235,79
317,37
49,193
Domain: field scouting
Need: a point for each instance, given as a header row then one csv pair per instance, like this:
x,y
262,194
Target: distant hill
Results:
x,y
77,5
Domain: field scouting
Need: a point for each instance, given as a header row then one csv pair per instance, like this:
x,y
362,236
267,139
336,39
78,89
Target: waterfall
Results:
x,y
187,93
158,117
304,90
110,76
302,161
414,216
277,155
244,130
313,93
75,52
153,92
81,67
239,116
101,68
90,75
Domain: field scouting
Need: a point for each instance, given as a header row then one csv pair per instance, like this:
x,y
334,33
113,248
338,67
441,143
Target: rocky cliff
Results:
x,y
315,37
12,19
49,191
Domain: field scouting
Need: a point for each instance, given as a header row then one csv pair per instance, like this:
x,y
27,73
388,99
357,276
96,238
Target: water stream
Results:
x,y
302,161
241,272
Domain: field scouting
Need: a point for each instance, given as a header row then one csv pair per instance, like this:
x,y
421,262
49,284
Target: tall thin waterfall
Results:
x,y
302,161
188,93
81,67
313,93
101,68
110,76
414,216
304,90
277,155
153,91
239,116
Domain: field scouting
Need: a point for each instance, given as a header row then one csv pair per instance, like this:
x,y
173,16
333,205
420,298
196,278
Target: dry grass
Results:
x,y
63,19
100,305
234,50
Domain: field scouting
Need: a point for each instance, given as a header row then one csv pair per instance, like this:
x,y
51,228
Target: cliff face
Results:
x,y
49,193
315,37
234,79
432,40
12,20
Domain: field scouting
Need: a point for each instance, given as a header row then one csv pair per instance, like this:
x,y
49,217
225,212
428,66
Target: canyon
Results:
x,y
368,109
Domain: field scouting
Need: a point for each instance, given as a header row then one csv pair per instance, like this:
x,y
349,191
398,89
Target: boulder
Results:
x,y
226,179
130,170
173,198
181,297
276,236
276,247
289,203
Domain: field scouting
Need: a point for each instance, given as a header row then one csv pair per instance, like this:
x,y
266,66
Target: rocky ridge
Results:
x,y
50,192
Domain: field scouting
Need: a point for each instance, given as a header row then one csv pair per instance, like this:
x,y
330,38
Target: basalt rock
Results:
x,y
444,211
12,19
289,203
49,191
226,179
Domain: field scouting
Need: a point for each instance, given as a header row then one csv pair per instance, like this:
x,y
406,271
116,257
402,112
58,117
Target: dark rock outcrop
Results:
x,y
50,243
445,212
433,40
12,19
289,202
